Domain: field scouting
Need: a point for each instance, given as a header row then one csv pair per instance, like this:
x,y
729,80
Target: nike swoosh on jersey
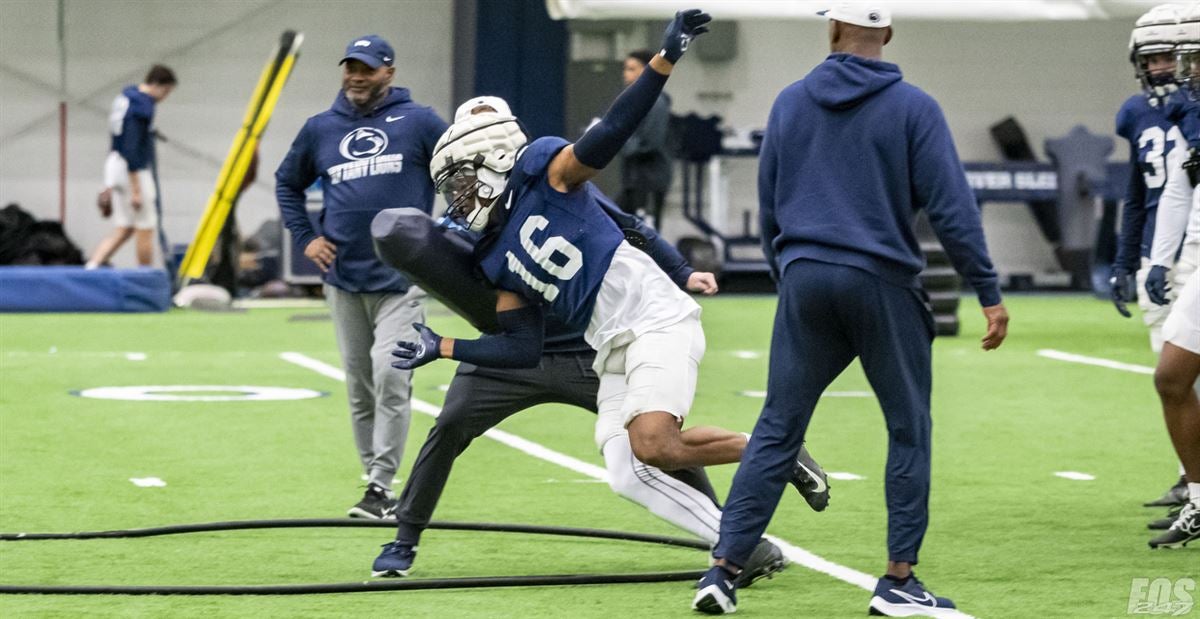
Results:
x,y
392,119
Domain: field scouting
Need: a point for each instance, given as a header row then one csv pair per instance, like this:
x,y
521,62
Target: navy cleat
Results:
x,y
910,599
1175,495
395,561
376,504
766,561
717,594
809,478
1184,530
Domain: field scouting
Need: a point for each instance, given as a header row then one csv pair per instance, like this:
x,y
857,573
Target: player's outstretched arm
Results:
x,y
517,346
579,162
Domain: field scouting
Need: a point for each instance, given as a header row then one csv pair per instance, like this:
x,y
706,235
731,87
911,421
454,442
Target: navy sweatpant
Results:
x,y
827,315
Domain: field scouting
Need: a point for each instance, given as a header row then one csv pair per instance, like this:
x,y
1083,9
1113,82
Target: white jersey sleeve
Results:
x,y
1174,207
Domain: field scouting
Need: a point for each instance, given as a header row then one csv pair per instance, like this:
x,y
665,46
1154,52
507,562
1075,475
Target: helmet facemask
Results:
x,y
1155,69
1187,70
470,190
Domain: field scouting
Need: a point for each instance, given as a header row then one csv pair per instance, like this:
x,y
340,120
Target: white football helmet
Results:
x,y
1156,33
468,107
1187,53
471,162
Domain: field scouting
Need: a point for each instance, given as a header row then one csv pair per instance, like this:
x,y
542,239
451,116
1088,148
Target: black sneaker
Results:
x,y
1186,529
1162,524
766,561
375,504
809,478
1176,495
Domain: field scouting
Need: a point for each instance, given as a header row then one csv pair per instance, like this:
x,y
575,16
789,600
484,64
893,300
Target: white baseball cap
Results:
x,y
865,14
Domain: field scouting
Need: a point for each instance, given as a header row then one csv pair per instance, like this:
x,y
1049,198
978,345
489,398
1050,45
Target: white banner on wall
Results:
x,y
952,10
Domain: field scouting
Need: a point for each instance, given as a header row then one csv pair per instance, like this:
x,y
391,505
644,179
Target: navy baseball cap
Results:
x,y
372,50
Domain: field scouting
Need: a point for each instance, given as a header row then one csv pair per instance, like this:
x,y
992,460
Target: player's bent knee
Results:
x,y
655,440
1172,387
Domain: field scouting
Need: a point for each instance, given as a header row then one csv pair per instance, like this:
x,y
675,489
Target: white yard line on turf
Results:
x,y
1075,476
795,554
1096,361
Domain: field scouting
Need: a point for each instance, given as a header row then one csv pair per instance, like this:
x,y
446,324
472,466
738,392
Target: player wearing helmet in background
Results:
x,y
1154,141
1177,233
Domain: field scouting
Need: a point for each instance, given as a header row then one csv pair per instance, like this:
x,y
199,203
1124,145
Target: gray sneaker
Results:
x,y
766,561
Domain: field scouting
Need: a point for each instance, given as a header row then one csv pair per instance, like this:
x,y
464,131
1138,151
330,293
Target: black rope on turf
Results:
x,y
355,587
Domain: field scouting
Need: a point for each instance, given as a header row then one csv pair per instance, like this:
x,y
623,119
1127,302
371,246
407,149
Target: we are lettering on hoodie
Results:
x,y
851,154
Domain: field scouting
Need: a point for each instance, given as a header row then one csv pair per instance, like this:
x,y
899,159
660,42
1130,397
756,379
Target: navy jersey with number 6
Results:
x,y
554,248
1152,139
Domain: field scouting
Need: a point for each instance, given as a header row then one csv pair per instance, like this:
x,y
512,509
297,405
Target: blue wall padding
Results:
x,y
74,289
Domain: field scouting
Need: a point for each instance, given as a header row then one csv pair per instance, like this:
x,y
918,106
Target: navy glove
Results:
x,y
1123,289
426,349
686,26
1156,285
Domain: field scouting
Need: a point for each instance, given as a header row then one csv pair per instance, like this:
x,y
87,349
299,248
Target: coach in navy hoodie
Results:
x,y
370,151
851,154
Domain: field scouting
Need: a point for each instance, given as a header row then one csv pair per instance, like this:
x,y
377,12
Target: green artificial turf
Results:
x,y
1007,537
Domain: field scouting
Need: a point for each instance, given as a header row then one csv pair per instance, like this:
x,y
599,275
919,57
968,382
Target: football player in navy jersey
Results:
x,y
129,184
1177,234
480,398
548,244
1155,142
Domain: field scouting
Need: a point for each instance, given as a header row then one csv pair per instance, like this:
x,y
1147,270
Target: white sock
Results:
x,y
1182,473
1194,493
91,266
665,497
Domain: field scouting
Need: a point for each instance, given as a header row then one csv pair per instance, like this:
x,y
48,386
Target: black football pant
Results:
x,y
478,400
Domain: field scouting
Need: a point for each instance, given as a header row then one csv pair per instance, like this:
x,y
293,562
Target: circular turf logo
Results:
x,y
199,393
363,143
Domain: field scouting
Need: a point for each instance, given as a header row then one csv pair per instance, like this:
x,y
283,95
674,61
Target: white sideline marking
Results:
x,y
135,356
1096,361
148,482
747,354
443,388
841,476
795,554
1075,475
754,394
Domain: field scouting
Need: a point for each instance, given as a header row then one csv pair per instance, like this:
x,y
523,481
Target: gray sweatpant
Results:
x,y
368,325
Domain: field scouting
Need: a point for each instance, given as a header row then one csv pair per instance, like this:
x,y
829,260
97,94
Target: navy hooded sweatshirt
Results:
x,y
366,163
851,153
